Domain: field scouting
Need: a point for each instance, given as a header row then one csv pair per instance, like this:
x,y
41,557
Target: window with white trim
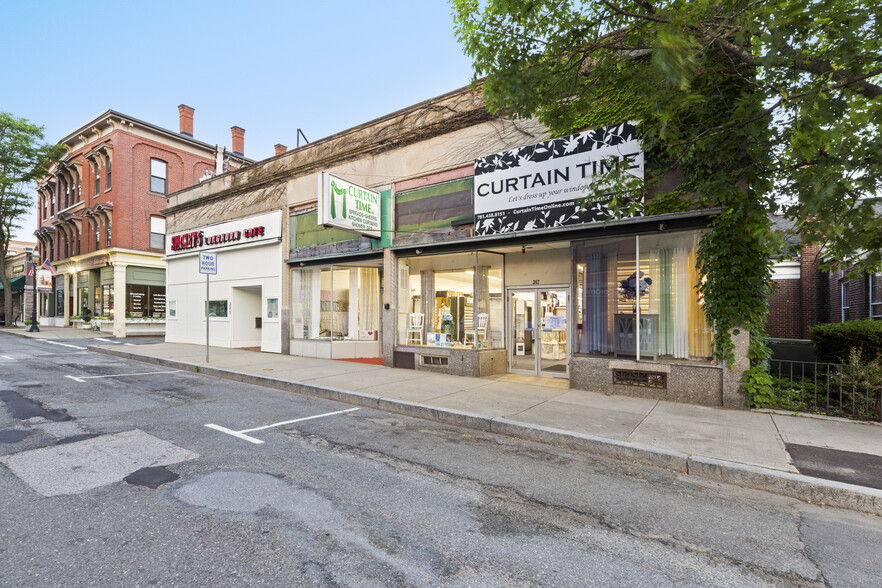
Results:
x,y
875,296
158,176
157,232
843,293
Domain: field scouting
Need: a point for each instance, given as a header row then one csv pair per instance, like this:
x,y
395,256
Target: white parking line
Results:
x,y
107,340
63,344
234,433
84,378
241,434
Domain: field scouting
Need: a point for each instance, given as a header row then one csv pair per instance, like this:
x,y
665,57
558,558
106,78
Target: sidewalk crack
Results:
x,y
643,420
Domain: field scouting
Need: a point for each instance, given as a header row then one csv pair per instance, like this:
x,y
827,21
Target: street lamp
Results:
x,y
35,255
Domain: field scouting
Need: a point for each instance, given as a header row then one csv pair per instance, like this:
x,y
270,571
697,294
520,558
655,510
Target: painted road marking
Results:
x,y
84,378
35,355
241,434
63,344
234,433
107,340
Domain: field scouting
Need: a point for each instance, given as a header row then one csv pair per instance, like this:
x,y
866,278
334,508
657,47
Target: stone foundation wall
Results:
x,y
690,384
475,363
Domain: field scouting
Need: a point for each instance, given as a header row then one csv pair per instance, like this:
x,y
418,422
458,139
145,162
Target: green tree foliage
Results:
x,y
766,106
23,159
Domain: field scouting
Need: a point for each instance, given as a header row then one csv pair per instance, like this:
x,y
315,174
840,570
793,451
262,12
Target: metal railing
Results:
x,y
842,390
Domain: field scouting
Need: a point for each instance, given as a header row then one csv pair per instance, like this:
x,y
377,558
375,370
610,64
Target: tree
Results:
x,y
23,159
766,106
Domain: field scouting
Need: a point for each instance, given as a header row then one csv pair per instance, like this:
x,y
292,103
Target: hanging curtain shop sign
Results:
x,y
549,184
348,206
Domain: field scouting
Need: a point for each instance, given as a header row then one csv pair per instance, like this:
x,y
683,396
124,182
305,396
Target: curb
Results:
x,y
797,486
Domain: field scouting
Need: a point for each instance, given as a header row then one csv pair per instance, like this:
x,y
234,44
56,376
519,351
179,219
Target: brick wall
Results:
x,y
814,288
785,310
133,203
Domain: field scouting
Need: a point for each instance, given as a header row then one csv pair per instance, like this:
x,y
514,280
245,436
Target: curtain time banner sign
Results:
x,y
549,184
348,206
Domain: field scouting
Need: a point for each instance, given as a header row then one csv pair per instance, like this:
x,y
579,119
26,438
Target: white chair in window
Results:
x,y
415,328
478,335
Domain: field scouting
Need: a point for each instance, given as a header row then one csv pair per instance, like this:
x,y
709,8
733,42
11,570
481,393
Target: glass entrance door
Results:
x,y
523,333
538,331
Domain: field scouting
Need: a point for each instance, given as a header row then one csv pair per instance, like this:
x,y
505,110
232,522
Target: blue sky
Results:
x,y
269,66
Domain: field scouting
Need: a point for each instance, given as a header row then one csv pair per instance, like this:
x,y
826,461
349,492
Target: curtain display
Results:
x,y
599,299
368,301
662,282
335,303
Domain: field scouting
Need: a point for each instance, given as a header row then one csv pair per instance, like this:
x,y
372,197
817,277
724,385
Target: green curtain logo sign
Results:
x,y
348,206
335,192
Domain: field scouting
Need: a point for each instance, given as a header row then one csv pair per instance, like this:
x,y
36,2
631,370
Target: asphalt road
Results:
x,y
110,476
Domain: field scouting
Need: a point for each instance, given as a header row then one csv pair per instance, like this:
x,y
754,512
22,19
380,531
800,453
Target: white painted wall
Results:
x,y
549,266
256,266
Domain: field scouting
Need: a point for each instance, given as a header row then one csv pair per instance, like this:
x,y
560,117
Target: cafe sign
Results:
x,y
255,229
554,183
348,206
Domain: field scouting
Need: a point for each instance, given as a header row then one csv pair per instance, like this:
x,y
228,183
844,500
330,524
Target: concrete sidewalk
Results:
x,y
747,448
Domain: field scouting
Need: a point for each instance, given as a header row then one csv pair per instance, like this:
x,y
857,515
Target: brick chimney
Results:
x,y
280,148
186,114
238,141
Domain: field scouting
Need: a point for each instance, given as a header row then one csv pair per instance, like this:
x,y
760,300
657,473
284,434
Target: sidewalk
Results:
x,y
746,448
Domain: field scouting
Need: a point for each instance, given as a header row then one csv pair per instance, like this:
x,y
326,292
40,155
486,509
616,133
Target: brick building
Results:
x,y
100,224
806,295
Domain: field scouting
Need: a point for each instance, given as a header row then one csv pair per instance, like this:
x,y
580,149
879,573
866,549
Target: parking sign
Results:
x,y
207,263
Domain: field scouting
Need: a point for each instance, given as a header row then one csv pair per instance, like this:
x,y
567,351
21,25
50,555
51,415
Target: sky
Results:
x,y
268,66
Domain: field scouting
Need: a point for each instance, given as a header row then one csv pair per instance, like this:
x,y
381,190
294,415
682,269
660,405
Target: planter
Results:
x,y
136,327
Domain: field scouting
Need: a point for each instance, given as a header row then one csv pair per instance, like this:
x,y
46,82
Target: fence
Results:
x,y
843,390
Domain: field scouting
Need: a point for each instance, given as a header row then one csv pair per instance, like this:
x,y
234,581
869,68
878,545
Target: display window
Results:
x,y
218,308
336,303
107,300
637,297
145,301
272,308
451,300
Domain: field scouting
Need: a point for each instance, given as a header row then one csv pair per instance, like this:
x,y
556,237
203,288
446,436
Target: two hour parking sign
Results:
x,y
207,263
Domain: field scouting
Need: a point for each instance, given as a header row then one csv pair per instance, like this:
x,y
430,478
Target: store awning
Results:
x,y
17,283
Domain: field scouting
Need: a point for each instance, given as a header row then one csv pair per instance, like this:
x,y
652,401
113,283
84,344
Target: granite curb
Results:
x,y
797,486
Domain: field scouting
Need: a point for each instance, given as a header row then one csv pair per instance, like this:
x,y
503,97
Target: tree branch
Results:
x,y
624,12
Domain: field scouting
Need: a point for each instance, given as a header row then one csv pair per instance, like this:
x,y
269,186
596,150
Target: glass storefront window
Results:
x,y
340,303
145,301
647,310
107,300
451,300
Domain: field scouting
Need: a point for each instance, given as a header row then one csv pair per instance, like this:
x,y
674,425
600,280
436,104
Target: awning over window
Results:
x,y
17,283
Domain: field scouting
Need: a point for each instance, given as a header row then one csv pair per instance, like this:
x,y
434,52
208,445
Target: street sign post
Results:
x,y
207,266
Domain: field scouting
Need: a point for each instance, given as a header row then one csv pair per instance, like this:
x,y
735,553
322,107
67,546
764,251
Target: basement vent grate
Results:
x,y
642,379
434,360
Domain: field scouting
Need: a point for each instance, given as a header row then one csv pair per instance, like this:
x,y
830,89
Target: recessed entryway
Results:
x,y
537,327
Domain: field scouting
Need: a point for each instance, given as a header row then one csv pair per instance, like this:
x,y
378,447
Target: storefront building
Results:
x,y
485,253
100,225
242,296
